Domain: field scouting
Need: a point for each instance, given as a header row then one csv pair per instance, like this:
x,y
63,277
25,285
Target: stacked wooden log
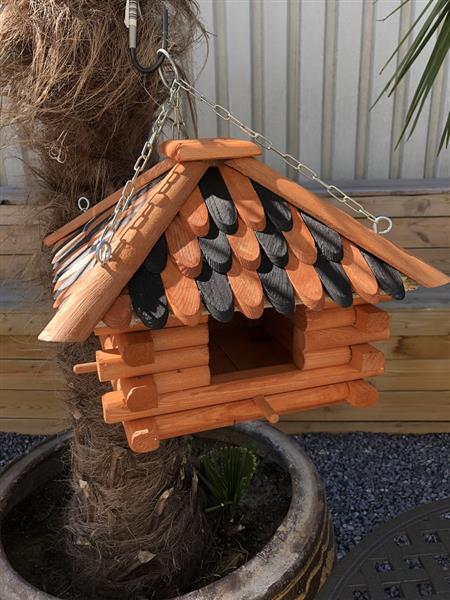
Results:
x,y
163,387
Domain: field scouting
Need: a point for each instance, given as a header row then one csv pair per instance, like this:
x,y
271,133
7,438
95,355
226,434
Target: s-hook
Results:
x,y
131,21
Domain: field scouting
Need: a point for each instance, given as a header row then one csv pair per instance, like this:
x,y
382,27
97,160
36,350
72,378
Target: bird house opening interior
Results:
x,y
244,344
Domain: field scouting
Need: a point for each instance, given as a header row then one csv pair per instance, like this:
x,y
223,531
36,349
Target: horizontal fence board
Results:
x,y
401,427
31,375
437,257
426,321
405,374
20,215
19,239
392,406
22,323
426,232
30,404
423,205
25,346
34,426
420,346
24,267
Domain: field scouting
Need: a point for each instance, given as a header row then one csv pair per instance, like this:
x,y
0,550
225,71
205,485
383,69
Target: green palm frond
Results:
x,y
436,22
226,473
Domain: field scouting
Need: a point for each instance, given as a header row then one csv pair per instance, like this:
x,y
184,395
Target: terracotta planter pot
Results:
x,y
293,564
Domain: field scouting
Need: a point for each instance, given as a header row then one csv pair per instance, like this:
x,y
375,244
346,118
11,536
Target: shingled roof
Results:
x,y
213,228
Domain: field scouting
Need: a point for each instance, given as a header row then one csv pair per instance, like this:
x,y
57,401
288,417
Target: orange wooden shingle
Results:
x,y
182,294
300,240
306,283
357,270
184,248
245,198
118,316
245,246
247,290
195,213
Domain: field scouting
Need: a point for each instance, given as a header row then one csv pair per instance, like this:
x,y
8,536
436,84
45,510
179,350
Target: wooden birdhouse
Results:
x,y
232,293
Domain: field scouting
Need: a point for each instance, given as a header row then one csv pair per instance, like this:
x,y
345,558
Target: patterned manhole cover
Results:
x,y
408,557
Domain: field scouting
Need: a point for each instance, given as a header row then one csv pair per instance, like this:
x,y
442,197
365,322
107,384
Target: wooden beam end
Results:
x,y
367,359
142,435
361,394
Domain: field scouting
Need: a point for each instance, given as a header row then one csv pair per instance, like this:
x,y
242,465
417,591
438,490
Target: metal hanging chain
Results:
x,y
172,104
103,248
290,160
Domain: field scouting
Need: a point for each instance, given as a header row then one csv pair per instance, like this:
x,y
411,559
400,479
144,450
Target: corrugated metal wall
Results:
x,y
306,72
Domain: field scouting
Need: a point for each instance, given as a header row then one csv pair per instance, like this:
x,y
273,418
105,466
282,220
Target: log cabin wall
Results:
x,y
414,392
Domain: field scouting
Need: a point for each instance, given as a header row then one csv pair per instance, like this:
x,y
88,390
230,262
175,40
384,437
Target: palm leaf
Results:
x,y
436,21
226,473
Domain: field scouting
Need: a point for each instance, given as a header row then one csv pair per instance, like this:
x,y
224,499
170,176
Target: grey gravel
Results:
x,y
369,478
13,445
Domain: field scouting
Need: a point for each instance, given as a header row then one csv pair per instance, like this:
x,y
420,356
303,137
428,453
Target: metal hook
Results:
x,y
379,220
163,52
132,20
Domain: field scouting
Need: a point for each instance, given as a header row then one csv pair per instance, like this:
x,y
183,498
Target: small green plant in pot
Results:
x,y
226,474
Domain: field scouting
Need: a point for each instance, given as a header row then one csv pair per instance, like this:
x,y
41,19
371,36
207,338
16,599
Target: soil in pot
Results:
x,y
31,533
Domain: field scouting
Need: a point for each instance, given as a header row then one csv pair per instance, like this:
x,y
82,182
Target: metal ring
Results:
x,y
171,62
378,220
83,203
103,252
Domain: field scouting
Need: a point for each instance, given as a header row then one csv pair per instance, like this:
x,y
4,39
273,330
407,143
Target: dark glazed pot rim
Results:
x,y
263,576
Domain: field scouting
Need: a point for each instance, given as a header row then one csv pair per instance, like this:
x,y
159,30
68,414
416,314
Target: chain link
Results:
x,y
103,249
290,160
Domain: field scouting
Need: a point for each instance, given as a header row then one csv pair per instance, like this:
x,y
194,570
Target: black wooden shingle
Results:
x,y
276,285
334,280
148,298
274,245
216,249
275,207
389,279
216,293
157,257
218,200
327,240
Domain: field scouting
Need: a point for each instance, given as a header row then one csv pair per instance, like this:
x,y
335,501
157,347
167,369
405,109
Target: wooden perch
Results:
x,y
266,409
97,290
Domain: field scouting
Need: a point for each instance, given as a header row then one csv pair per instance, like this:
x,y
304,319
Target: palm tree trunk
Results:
x,y
133,521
